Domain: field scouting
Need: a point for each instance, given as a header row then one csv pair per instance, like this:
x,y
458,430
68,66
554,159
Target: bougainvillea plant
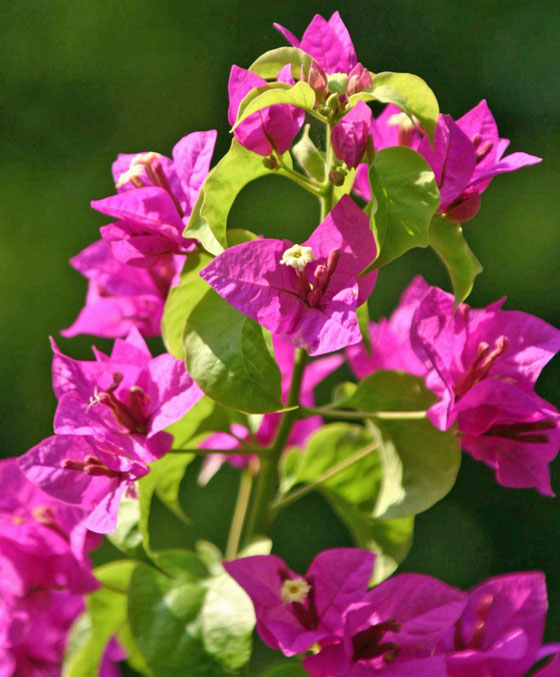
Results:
x,y
250,326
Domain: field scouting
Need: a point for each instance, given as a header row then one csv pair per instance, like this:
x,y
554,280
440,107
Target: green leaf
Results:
x,y
240,235
127,537
310,157
181,564
300,95
227,621
269,64
182,299
363,321
410,93
420,465
206,416
231,357
390,540
333,444
208,221
164,478
407,197
390,391
164,619
104,617
447,240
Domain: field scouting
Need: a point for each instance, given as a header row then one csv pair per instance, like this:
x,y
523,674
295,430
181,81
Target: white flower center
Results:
x,y
401,120
297,257
295,590
130,175
144,158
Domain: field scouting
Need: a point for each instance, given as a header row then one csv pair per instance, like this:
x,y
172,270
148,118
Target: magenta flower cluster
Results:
x,y
407,625
304,299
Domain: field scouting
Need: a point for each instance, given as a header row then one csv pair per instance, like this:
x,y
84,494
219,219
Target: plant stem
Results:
x,y
268,475
327,198
317,189
241,505
327,412
204,452
308,488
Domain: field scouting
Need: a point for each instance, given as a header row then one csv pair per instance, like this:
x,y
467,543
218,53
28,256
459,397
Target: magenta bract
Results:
x,y
121,296
328,42
483,364
155,198
501,629
309,292
294,612
268,130
350,135
393,630
390,339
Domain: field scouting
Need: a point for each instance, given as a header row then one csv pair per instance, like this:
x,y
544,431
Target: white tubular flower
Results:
x,y
297,257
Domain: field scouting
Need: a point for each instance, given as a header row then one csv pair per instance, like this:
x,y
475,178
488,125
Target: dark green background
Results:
x,y
85,80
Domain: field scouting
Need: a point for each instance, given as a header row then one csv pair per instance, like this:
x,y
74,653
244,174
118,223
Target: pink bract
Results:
x,y
322,319
294,612
268,130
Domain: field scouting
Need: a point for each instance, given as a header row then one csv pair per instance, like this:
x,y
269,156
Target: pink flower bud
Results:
x,y
350,135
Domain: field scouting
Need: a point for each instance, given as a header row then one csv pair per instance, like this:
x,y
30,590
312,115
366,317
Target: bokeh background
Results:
x,y
85,80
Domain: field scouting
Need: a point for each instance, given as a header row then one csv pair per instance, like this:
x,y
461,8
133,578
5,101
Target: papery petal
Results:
x,y
250,277
452,159
424,607
290,37
341,576
321,41
152,207
191,157
336,23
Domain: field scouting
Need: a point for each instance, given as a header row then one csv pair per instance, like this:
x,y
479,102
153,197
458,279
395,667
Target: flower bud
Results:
x,y
337,83
350,135
359,79
336,177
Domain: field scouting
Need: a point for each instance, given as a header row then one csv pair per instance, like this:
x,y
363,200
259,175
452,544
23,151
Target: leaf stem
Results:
x,y
294,496
267,481
327,198
239,513
314,187
328,412
204,452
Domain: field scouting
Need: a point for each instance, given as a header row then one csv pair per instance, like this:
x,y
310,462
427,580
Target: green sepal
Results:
x,y
448,241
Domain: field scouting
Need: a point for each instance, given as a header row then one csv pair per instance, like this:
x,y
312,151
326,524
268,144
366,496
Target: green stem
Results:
x,y
239,513
327,198
317,189
294,496
204,452
267,481
328,412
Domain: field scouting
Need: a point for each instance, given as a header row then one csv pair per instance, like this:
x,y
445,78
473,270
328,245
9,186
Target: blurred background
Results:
x,y
84,81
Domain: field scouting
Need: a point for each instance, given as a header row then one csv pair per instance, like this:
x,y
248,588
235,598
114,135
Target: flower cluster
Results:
x,y
407,625
46,572
253,325
482,364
